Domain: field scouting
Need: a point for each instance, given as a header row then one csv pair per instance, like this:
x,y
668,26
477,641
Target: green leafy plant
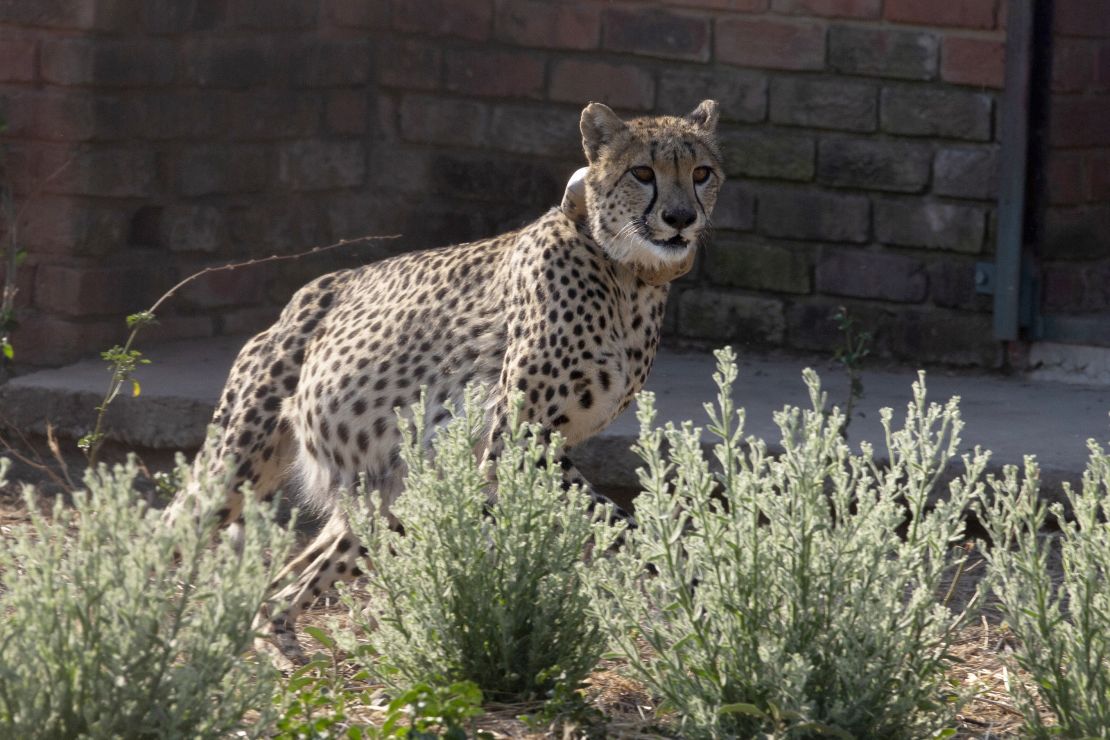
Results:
x,y
424,712
785,603
479,589
1062,629
103,635
855,347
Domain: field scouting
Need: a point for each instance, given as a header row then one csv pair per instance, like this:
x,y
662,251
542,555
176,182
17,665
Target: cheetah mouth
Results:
x,y
676,242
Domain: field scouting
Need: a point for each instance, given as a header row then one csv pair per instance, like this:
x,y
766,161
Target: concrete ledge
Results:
x,y
1012,417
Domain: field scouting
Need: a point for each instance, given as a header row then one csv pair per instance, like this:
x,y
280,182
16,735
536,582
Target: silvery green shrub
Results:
x,y
784,599
1062,628
103,635
477,590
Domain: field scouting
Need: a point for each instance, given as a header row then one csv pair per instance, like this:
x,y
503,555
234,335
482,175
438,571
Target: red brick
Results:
x,y
347,112
657,33
770,43
71,226
1073,65
358,13
104,172
99,61
273,14
409,64
42,339
973,62
1080,122
1098,177
82,291
238,287
443,120
963,13
829,8
248,61
191,228
495,73
318,164
1081,18
269,114
223,168
331,63
53,116
740,6
540,23
618,85
179,326
1065,178
17,58
24,284
1102,66
471,19
84,15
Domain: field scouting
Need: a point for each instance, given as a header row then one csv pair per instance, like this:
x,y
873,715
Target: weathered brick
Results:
x,y
980,62
192,228
934,335
88,290
276,224
271,114
494,178
17,58
538,23
107,172
472,19
55,116
920,111
735,207
443,120
767,153
246,320
176,326
1102,66
347,111
223,168
724,316
810,214
70,339
238,287
82,15
273,14
746,262
966,172
964,13
227,62
1077,233
321,165
656,33
331,63
71,226
409,65
813,326
740,6
829,8
1073,64
546,131
1080,121
1098,176
860,274
741,94
915,223
172,17
874,164
619,85
495,73
180,114
770,43
1081,18
881,52
952,285
110,62
836,104
358,13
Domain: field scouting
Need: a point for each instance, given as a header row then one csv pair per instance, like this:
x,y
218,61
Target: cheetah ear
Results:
x,y
599,126
705,115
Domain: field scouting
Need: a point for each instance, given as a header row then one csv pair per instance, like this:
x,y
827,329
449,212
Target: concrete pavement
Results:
x,y
1010,416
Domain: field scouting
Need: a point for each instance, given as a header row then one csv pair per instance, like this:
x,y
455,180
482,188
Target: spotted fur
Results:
x,y
558,310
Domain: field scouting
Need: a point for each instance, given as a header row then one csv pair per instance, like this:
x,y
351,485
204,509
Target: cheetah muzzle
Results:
x,y
566,310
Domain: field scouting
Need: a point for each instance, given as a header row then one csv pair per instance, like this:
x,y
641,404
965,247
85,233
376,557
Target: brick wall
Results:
x,y
1076,250
859,135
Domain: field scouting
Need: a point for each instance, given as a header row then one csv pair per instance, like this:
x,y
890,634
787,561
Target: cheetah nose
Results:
x,y
679,218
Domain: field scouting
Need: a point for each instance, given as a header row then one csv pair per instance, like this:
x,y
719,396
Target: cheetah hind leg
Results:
x,y
331,558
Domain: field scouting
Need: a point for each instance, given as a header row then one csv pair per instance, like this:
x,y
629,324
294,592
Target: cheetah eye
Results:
x,y
701,174
643,174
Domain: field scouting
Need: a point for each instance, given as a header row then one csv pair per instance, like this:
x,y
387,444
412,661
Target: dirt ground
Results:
x,y
628,708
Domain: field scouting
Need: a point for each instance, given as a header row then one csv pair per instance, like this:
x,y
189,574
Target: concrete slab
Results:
x,y
1010,416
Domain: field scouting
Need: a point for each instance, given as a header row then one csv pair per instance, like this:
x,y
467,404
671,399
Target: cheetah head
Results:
x,y
651,184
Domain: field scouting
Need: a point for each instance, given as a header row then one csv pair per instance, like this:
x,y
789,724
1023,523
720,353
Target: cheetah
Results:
x,y
566,311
